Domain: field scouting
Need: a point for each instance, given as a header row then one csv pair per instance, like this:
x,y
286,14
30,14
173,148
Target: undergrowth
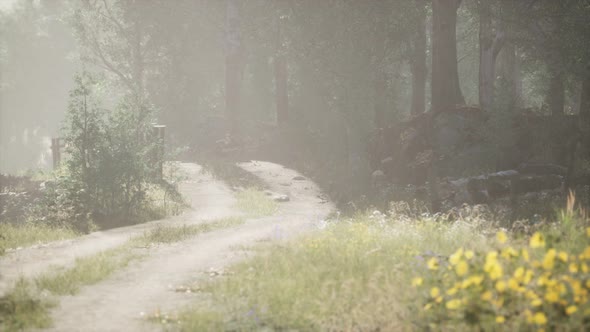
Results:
x,y
14,236
399,273
255,203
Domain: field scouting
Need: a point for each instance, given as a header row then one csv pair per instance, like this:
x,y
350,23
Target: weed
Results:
x,y
26,234
22,309
255,203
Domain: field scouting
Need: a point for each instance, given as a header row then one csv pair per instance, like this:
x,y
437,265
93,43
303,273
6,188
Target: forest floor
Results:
x,y
151,284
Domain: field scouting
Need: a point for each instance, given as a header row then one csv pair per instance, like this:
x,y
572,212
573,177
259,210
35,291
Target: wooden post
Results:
x,y
159,132
56,151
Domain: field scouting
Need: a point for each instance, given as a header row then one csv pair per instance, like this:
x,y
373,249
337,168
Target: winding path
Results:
x,y
149,284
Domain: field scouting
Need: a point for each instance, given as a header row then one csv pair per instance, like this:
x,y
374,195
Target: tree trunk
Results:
x,y
556,92
490,44
510,73
281,79
418,64
446,92
585,101
232,67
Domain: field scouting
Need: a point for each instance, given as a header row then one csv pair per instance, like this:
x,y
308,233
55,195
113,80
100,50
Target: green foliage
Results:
x,y
256,203
112,159
21,235
22,309
541,283
354,275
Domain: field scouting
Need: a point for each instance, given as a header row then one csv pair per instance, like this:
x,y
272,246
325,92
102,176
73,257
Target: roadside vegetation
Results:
x,y
408,272
256,203
27,234
27,305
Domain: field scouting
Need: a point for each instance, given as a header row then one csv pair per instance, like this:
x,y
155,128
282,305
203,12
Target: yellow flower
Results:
x,y
462,268
469,254
540,319
433,264
549,259
525,255
500,319
509,252
452,291
552,296
500,286
456,257
434,292
486,296
501,237
453,304
519,273
573,268
562,256
571,309
536,302
513,284
537,241
417,281
428,306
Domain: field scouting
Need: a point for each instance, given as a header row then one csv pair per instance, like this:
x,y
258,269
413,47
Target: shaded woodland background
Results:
x,y
445,101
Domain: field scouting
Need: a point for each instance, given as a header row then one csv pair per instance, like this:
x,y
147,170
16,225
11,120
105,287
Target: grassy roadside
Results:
x,y
397,274
255,203
27,305
27,234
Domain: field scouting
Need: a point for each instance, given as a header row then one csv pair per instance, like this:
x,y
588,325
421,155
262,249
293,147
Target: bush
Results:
x,y
541,283
110,164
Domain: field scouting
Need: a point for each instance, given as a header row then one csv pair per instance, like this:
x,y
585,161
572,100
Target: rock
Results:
x,y
299,178
542,169
527,184
281,198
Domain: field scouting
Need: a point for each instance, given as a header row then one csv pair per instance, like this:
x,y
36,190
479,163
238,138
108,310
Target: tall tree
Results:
x,y
491,41
446,92
418,60
232,67
281,74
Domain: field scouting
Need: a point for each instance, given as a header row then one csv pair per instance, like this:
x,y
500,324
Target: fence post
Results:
x,y
159,134
56,152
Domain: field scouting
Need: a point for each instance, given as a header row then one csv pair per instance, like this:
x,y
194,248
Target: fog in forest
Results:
x,y
374,165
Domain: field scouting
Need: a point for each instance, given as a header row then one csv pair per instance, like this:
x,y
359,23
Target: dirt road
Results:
x,y
147,285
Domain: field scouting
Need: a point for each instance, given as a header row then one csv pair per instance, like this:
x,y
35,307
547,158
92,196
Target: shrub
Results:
x,y
540,283
110,160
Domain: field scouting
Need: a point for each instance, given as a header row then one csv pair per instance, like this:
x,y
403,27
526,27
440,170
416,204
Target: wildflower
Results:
x,y
552,296
469,254
500,286
562,256
501,237
452,291
432,264
540,319
571,309
573,268
525,255
519,273
508,253
462,268
417,281
537,241
486,296
456,257
500,319
453,304
549,259
434,292
536,303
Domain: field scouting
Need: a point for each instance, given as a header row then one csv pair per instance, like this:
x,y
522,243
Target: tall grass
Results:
x,y
355,275
256,203
26,234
